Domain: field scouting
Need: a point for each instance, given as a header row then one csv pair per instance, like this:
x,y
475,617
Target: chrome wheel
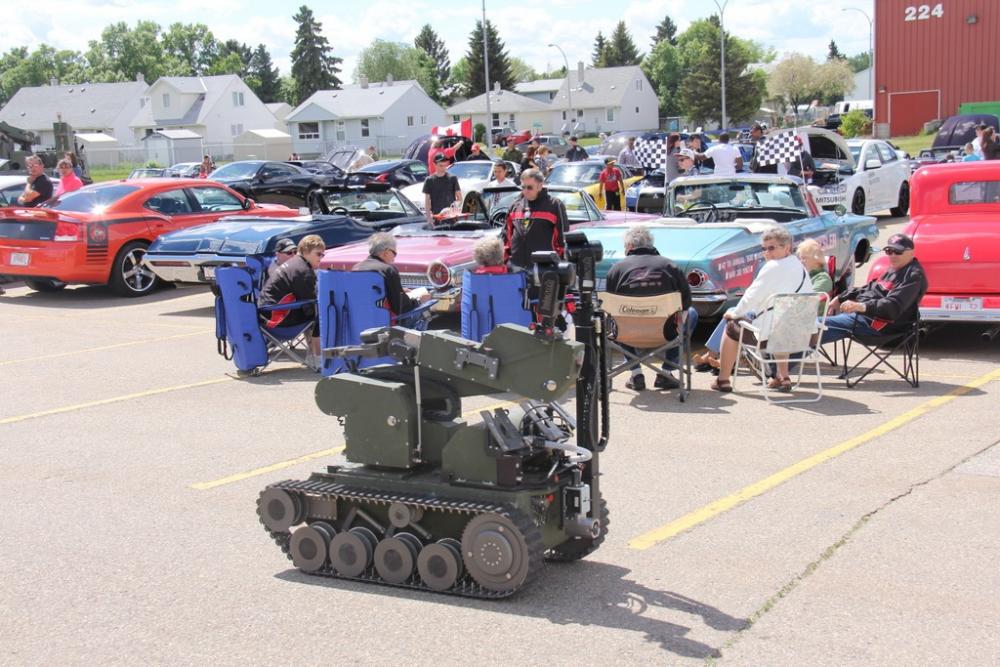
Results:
x,y
129,277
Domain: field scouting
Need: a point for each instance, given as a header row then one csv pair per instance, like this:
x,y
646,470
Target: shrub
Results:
x,y
855,123
479,131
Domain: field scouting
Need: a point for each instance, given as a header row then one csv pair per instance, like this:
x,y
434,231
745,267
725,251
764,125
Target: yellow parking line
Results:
x,y
727,503
113,399
240,476
113,346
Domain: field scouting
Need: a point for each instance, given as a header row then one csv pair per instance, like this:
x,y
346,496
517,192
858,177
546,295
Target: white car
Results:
x,y
472,175
11,188
863,175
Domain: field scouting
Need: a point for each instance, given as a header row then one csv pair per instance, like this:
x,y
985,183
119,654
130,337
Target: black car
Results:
x,y
319,167
954,133
275,182
397,173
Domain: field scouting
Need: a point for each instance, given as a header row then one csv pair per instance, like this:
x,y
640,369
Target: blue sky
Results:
x,y
525,27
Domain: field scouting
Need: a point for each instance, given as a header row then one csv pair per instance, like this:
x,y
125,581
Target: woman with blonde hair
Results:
x,y
810,253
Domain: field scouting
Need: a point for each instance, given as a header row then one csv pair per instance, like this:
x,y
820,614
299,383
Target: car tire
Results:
x,y
858,202
904,201
314,201
129,277
45,285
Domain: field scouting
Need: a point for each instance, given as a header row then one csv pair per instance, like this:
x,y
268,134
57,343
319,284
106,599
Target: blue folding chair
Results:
x,y
351,302
240,333
489,300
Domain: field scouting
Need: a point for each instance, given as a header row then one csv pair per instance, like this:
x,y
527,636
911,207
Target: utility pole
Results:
x,y
486,68
722,50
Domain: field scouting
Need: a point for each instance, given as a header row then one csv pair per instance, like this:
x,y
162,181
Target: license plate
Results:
x,y
962,304
209,272
19,259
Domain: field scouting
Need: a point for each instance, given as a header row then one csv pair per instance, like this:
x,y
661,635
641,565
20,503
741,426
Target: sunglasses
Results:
x,y
394,253
528,188
768,248
892,251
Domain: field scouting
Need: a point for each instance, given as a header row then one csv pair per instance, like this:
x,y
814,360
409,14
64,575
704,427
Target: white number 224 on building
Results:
x,y
923,12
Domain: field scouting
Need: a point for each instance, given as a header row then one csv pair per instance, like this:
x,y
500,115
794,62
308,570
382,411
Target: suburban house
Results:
x,y
542,90
508,110
280,111
216,108
388,115
89,108
605,99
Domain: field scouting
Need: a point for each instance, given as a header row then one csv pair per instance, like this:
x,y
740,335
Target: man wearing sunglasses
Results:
x,y
536,222
884,305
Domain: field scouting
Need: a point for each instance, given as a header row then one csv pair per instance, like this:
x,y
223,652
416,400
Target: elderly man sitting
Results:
x,y
488,254
644,272
381,256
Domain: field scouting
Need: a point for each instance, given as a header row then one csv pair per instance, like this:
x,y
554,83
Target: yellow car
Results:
x,y
585,175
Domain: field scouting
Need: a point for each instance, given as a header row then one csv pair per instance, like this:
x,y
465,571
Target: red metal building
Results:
x,y
931,56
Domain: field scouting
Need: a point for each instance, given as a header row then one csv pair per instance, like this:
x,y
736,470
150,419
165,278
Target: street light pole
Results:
x,y
871,56
722,50
569,86
486,67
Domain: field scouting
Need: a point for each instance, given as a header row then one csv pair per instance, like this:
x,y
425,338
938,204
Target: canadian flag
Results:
x,y
461,129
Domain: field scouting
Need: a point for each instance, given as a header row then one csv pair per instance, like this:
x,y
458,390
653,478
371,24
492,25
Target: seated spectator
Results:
x,y
885,305
644,272
488,254
283,251
295,280
970,154
782,273
68,180
810,253
381,256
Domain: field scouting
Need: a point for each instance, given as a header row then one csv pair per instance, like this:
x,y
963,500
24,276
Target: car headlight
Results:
x,y
438,274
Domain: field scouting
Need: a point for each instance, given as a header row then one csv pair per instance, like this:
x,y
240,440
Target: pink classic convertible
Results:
x,y
436,258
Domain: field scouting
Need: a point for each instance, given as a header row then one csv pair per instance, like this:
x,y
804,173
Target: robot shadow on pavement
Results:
x,y
434,503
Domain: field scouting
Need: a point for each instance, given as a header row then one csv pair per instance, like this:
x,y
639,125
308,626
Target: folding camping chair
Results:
x,y
492,299
906,341
638,322
240,333
792,329
351,302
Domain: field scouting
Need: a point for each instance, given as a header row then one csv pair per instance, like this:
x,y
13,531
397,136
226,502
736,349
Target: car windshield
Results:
x,y
479,169
739,194
577,208
364,200
377,167
237,170
575,174
91,200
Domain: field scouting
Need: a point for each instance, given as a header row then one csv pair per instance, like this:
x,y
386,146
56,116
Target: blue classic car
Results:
x,y
350,214
713,233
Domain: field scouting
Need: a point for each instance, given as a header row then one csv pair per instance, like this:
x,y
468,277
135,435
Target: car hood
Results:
x,y
236,237
679,240
415,253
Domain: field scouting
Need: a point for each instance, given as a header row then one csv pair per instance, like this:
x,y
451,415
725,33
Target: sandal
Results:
x,y
785,385
724,386
774,383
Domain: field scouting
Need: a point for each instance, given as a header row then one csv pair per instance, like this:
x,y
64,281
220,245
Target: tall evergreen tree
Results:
x,y
700,88
621,49
429,42
666,30
265,75
313,66
834,53
599,55
500,71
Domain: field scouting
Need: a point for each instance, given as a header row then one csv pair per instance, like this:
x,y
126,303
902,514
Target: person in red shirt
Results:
x,y
438,147
613,184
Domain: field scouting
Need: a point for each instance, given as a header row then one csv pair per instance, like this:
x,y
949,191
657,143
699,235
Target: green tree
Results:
x,y
666,30
230,63
662,67
264,77
287,90
859,63
429,42
427,76
621,49
123,52
700,91
833,53
600,54
384,59
521,71
500,72
20,68
242,51
458,78
191,47
313,66
797,79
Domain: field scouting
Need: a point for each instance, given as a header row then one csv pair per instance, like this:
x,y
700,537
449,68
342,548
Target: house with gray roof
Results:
x,y
216,108
605,99
543,90
89,108
509,111
387,114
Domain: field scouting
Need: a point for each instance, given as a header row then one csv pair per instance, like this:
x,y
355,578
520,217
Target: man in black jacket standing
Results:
x,y
885,305
575,153
644,272
537,221
381,256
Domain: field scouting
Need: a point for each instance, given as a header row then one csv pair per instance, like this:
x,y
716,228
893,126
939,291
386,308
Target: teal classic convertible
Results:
x,y
713,233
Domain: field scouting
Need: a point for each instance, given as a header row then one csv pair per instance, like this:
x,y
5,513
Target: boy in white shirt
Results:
x,y
728,159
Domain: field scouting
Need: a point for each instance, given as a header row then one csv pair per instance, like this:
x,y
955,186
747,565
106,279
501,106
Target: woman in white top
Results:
x,y
782,273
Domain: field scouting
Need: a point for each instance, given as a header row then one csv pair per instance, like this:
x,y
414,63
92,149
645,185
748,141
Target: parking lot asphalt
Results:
x,y
859,530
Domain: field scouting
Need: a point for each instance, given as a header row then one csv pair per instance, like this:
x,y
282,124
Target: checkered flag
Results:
x,y
778,149
651,153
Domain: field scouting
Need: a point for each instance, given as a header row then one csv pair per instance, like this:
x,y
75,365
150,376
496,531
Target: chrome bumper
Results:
x,y
709,305
986,316
193,272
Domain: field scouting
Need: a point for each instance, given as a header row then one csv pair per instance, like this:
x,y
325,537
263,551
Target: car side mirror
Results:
x,y
872,164
248,204
840,210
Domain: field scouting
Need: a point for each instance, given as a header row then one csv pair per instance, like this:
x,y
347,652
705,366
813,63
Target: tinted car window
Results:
x,y
274,170
237,170
477,169
364,200
171,202
886,153
89,199
975,192
216,199
419,170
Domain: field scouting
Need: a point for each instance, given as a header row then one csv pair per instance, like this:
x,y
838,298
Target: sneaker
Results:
x,y
636,383
665,382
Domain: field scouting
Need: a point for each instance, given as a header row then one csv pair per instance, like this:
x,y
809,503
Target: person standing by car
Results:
x,y
38,189
627,156
536,222
500,173
670,168
575,152
991,149
206,166
441,189
295,280
68,180
727,158
542,160
977,143
757,137
613,184
512,154
476,153
437,148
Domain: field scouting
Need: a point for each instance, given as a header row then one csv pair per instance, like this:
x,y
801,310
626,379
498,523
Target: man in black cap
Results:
x,y
885,305
441,189
757,137
284,250
575,153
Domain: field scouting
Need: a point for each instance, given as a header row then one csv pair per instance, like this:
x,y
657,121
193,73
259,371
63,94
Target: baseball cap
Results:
x,y
440,157
285,246
900,242
609,160
757,126
686,152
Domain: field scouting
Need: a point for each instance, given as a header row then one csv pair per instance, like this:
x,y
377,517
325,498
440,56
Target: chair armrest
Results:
x,y
291,305
415,314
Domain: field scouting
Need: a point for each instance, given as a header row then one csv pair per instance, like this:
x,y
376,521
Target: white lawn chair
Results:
x,y
791,328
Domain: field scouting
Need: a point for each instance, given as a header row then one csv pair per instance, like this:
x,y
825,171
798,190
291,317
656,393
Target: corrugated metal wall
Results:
x,y
922,47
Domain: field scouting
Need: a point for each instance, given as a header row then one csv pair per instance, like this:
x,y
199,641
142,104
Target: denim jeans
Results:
x,y
840,326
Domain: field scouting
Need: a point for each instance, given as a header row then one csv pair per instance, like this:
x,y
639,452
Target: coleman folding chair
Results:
x,y
637,322
879,349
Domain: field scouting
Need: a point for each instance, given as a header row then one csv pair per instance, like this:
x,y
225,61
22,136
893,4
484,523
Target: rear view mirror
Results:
x,y
248,204
840,210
